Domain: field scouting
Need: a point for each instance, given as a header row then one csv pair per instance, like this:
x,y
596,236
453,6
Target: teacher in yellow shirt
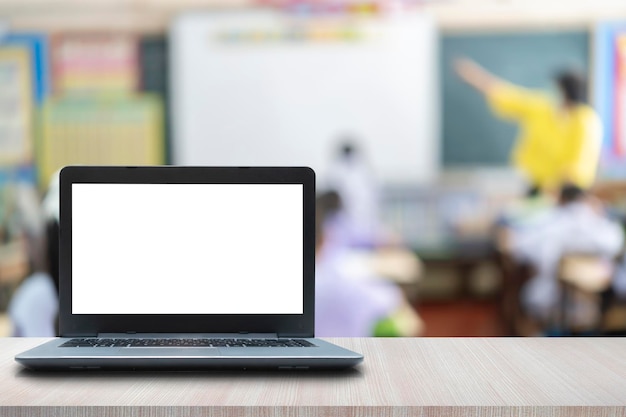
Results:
x,y
558,143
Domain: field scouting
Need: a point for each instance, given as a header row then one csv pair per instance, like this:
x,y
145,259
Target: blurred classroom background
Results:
x,y
287,82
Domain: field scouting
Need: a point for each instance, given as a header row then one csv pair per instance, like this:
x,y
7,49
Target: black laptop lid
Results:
x,y
187,250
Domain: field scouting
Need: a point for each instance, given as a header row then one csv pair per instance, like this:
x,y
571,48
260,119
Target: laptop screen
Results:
x,y
187,248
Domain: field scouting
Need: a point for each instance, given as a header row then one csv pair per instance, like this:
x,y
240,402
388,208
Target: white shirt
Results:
x,y
352,180
34,307
574,228
347,305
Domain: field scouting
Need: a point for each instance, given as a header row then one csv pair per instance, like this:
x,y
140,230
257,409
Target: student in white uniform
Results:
x,y
576,225
34,306
351,177
353,302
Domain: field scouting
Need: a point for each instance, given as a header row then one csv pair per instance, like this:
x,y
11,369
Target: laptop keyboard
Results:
x,y
186,342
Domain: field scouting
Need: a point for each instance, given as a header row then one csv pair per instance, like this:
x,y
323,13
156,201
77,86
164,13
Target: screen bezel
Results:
x,y
71,325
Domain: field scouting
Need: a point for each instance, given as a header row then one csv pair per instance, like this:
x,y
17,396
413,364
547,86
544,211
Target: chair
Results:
x,y
514,275
583,278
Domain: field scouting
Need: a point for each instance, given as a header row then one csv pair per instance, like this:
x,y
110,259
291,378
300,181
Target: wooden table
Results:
x,y
399,377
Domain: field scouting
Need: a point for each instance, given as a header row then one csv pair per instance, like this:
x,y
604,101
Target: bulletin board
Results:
x,y
100,114
16,97
268,88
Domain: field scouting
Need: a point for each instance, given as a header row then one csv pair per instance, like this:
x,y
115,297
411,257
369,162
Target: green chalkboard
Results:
x,y
472,135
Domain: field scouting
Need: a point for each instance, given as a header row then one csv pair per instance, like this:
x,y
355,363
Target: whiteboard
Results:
x,y
244,93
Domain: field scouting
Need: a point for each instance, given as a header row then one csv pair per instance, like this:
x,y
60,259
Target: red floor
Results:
x,y
460,318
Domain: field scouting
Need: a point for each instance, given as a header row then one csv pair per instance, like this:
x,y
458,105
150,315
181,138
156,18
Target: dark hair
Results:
x,y
573,86
326,204
347,149
570,193
347,146
52,249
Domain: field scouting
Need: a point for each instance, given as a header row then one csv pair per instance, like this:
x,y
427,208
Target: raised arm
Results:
x,y
505,99
475,75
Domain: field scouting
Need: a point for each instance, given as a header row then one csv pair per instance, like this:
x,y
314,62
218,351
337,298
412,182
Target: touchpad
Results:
x,y
169,352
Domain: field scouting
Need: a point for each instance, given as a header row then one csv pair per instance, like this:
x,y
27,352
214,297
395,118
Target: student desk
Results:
x,y
400,377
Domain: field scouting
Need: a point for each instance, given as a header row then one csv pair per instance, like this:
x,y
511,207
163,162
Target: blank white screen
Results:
x,y
187,249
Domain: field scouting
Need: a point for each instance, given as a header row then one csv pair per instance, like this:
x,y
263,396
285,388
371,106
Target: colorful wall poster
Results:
x,y
16,107
37,44
609,95
619,112
342,7
107,130
100,63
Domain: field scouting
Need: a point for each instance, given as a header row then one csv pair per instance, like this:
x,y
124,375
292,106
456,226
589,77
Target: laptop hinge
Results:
x,y
218,335
295,335
245,334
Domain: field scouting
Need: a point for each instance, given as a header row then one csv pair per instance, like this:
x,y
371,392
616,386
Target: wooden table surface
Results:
x,y
399,377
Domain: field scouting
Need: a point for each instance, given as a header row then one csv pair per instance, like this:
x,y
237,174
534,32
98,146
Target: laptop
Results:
x,y
174,267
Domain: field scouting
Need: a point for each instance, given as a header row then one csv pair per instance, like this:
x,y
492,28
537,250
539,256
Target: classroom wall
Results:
x,y
453,17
